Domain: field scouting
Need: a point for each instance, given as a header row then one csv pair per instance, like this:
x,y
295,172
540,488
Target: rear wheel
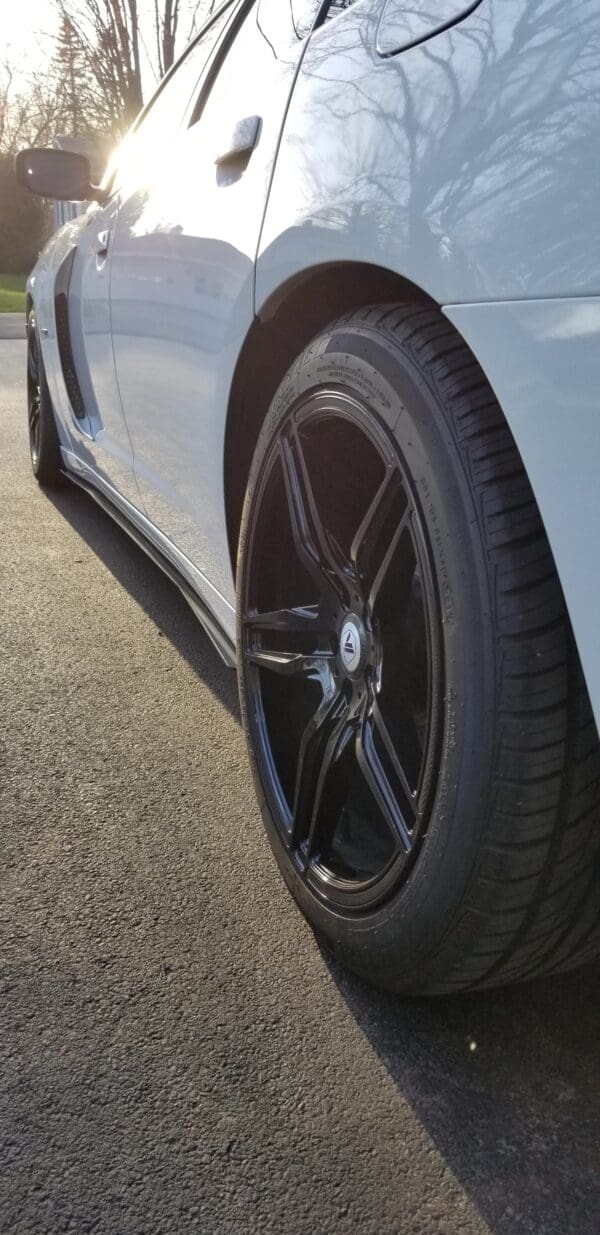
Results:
x,y
420,735
44,445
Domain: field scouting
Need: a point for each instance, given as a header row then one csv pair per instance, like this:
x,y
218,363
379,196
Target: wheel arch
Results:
x,y
291,316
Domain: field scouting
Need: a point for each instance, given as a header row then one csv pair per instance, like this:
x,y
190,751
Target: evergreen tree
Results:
x,y
70,69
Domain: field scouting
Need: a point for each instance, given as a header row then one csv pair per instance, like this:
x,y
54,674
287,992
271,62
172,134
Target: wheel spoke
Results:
x,y
387,557
374,774
339,736
319,747
302,620
34,415
392,754
32,358
310,537
290,660
371,552
289,663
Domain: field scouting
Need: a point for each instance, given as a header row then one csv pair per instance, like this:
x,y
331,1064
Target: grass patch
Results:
x,y
12,293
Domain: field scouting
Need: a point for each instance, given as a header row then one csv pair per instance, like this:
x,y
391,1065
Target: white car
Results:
x,y
327,343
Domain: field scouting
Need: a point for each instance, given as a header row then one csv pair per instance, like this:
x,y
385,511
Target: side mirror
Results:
x,y
60,175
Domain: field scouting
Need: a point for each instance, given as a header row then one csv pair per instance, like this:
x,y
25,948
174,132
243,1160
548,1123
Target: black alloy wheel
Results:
x,y
421,739
343,654
33,389
44,446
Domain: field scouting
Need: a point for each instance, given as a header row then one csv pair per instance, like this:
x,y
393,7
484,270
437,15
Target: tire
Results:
x,y
433,806
44,446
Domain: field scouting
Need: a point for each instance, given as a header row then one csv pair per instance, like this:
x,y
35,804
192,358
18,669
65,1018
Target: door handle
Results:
x,y
239,141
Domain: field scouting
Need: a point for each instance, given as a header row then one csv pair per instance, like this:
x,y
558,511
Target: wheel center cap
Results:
x,y
352,645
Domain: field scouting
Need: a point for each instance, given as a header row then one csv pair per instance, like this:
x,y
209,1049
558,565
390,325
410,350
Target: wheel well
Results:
x,y
290,319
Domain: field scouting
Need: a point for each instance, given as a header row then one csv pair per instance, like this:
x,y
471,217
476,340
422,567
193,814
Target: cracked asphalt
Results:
x,y
176,1053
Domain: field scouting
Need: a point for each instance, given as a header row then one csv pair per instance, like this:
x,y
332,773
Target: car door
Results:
x,y
105,442
182,282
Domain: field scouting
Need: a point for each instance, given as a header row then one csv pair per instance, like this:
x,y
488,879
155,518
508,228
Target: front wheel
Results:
x,y
44,446
419,732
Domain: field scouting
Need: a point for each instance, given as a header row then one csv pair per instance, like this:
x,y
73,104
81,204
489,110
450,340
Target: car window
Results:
x,y
245,81
337,6
238,68
303,14
283,22
153,132
297,15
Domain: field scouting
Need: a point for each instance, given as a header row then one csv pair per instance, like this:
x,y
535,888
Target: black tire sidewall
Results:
x,y
404,937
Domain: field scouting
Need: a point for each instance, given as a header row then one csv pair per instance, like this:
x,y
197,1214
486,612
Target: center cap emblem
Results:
x,y
350,646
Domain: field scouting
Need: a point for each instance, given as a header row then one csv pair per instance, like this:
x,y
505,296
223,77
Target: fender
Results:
x,y
436,164
542,359
47,286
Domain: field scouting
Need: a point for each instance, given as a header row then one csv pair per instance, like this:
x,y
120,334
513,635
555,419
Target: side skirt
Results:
x,y
219,637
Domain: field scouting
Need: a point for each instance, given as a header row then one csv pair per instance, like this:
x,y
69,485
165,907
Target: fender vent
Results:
x,y
63,335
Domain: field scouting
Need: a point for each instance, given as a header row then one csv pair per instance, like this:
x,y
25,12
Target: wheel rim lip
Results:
x,y
350,896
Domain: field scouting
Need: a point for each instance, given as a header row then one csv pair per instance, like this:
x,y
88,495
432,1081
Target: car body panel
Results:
x,y
150,534
109,451
468,164
40,289
182,295
403,23
102,444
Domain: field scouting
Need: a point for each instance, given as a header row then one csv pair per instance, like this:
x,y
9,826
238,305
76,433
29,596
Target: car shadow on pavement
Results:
x,y
149,587
507,1084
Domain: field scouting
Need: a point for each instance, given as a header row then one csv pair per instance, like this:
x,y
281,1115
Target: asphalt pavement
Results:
x,y
176,1053
12,325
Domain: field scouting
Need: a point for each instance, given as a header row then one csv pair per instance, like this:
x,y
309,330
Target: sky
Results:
x,y
25,26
